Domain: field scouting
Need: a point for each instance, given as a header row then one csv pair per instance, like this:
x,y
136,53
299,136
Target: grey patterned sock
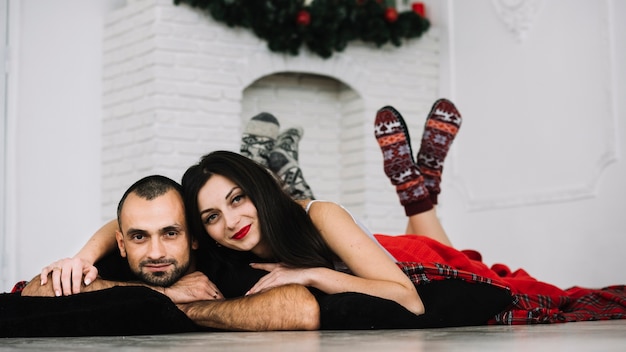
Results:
x,y
259,137
283,161
288,141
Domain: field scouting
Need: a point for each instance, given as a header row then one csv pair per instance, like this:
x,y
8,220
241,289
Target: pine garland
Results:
x,y
324,26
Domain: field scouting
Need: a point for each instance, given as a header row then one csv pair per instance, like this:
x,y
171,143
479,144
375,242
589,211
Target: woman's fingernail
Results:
x,y
87,282
57,293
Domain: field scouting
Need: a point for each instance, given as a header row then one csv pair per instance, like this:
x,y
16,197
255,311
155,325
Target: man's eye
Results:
x,y
171,234
137,237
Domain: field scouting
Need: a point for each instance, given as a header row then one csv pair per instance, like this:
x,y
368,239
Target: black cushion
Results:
x,y
448,303
117,311
125,311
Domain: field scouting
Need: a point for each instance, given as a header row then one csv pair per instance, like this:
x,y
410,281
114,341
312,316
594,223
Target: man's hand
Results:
x,y
290,307
192,287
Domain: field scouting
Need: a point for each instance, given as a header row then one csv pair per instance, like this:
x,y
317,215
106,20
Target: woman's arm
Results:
x,y
374,272
65,272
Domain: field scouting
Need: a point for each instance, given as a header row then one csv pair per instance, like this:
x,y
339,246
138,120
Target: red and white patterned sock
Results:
x,y
442,124
394,141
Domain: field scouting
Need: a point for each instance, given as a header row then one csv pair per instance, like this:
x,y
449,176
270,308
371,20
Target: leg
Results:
x,y
259,137
394,141
288,141
283,161
442,124
427,224
393,138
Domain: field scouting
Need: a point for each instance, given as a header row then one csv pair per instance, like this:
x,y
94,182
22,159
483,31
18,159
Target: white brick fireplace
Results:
x,y
177,85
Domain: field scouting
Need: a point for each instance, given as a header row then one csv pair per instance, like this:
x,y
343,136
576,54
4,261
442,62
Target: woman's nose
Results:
x,y
232,219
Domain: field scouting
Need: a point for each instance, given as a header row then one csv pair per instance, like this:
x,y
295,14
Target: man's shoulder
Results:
x,y
114,267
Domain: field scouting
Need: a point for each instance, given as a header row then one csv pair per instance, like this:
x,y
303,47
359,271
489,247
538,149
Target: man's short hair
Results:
x,y
148,188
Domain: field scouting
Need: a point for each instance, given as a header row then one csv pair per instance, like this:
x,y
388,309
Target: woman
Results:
x,y
242,208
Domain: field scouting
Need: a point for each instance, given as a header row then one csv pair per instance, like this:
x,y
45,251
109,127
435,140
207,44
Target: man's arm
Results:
x,y
290,307
190,288
35,288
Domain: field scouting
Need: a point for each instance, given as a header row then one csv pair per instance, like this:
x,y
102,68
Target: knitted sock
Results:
x,y
288,141
442,125
288,170
259,137
394,141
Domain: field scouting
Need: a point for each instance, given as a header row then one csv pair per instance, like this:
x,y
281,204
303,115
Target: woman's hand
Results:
x,y
68,275
193,287
279,275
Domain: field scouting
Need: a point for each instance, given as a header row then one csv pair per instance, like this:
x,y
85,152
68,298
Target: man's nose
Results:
x,y
157,249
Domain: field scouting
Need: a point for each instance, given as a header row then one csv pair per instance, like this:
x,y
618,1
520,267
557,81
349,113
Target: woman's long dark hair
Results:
x,y
285,226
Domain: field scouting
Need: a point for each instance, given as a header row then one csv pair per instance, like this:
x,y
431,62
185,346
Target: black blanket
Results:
x,y
125,311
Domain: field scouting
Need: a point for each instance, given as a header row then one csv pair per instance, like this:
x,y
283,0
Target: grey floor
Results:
x,y
582,336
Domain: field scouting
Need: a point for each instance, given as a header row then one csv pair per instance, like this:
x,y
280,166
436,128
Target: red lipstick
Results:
x,y
242,233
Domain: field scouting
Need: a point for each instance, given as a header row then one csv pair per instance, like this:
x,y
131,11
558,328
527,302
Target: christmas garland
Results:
x,y
324,26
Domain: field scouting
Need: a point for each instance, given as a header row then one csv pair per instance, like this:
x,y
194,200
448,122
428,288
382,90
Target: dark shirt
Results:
x,y
233,279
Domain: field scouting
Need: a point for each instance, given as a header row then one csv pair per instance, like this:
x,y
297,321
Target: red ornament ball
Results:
x,y
418,8
391,15
303,18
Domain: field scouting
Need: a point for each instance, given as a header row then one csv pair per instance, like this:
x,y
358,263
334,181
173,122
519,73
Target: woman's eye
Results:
x,y
238,198
210,219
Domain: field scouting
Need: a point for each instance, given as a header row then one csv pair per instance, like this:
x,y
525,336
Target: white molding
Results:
x,y
518,15
3,167
611,30
584,190
8,275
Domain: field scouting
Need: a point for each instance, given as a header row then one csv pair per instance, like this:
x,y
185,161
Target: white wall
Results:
x,y
55,114
536,180
177,85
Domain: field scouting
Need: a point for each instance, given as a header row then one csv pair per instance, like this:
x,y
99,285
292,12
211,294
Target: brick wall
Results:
x,y
177,85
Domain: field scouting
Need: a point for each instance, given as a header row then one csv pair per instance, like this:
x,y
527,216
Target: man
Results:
x,y
153,238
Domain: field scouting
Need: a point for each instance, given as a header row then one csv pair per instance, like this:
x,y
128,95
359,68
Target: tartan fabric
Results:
x,y
535,302
18,287
594,304
420,273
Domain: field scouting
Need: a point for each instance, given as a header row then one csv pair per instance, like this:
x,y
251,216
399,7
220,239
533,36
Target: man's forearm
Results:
x,y
34,287
290,307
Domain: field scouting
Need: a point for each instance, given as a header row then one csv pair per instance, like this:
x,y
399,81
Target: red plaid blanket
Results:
x,y
535,302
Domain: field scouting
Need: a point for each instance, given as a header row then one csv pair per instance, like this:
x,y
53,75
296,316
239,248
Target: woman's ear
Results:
x,y
120,243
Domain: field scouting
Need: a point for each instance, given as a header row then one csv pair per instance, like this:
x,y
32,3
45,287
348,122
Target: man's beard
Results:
x,y
161,278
